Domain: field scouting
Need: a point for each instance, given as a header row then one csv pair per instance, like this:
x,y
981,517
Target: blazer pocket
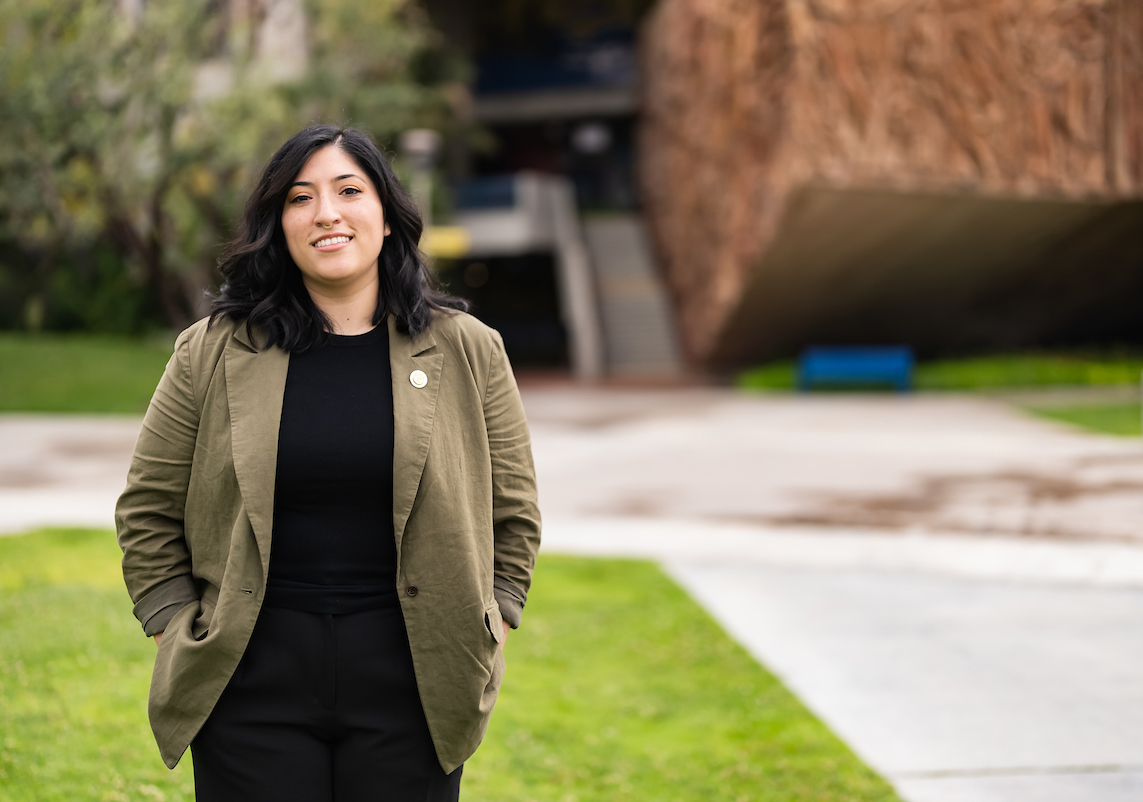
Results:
x,y
200,627
493,621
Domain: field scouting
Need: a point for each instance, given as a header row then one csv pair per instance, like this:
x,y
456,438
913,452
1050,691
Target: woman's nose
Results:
x,y
326,212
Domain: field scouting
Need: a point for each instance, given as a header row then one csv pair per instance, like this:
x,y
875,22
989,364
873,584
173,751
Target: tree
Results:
x,y
133,130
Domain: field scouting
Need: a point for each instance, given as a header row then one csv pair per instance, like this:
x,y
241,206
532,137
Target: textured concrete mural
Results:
x,y
948,173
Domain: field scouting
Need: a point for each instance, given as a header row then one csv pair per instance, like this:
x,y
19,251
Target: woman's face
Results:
x,y
334,224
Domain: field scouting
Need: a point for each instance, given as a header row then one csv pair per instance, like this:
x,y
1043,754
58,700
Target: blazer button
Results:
x,y
411,590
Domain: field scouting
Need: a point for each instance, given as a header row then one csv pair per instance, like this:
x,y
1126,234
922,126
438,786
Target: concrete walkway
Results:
x,y
955,588
909,463
63,470
953,689
980,639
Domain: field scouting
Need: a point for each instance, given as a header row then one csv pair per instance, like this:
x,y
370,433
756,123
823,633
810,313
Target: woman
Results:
x,y
330,520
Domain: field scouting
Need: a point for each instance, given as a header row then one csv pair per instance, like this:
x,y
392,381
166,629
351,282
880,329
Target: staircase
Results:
x,y
636,317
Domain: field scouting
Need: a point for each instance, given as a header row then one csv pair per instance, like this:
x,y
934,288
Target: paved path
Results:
x,y
910,464
963,659
950,463
956,589
953,689
62,469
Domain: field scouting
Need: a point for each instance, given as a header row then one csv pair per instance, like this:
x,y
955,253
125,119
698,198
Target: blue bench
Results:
x,y
839,366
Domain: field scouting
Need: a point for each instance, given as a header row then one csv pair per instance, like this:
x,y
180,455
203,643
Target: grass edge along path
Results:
x,y
1123,420
619,688
999,371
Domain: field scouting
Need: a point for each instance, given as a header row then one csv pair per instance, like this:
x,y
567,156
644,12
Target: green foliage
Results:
x,y
984,372
95,290
619,688
91,113
1121,419
136,133
79,373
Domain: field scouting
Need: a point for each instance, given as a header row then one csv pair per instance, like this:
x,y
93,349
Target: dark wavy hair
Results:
x,y
263,286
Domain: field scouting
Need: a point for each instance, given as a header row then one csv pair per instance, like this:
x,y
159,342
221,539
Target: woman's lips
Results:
x,y
335,243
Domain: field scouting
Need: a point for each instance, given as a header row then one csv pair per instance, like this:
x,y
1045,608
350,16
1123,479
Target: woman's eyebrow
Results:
x,y
310,183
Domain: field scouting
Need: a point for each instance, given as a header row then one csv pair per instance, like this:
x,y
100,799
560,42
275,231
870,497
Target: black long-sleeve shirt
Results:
x,y
333,547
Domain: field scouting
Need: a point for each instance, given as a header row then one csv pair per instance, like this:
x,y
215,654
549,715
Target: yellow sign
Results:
x,y
446,242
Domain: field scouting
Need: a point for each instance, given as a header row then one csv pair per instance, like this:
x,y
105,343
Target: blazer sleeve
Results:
x,y
149,514
515,510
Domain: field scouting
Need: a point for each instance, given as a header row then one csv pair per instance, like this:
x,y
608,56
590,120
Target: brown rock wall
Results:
x,y
746,101
717,76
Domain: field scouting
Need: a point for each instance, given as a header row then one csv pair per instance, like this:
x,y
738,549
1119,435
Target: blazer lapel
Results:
x,y
255,385
413,411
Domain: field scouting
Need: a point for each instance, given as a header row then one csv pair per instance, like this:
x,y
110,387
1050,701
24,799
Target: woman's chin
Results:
x,y
332,278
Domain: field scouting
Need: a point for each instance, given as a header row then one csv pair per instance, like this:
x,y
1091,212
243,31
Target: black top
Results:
x,y
333,549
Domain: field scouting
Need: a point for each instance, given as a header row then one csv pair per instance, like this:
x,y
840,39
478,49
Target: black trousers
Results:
x,y
322,708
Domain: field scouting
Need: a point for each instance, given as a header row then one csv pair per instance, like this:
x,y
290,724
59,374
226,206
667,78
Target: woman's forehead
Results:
x,y
328,164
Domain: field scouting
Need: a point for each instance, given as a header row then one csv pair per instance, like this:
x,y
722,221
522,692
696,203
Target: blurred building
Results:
x,y
560,263
786,172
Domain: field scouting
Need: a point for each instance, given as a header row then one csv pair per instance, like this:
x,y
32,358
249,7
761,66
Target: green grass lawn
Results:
x,y
984,373
1121,419
79,372
74,672
619,688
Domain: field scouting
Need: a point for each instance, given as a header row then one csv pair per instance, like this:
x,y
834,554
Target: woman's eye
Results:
x,y
351,191
299,198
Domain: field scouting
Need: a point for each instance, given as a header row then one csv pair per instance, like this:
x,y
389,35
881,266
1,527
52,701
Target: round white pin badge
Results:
x,y
418,379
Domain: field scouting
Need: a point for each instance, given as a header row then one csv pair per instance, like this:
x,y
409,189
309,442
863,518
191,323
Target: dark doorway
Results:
x,y
519,297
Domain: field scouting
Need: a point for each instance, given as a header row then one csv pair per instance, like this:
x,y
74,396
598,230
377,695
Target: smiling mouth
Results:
x,y
323,243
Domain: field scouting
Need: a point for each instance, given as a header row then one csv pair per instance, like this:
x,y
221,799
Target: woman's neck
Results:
x,y
348,312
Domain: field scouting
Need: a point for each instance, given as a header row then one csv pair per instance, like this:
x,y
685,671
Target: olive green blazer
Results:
x,y
196,519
